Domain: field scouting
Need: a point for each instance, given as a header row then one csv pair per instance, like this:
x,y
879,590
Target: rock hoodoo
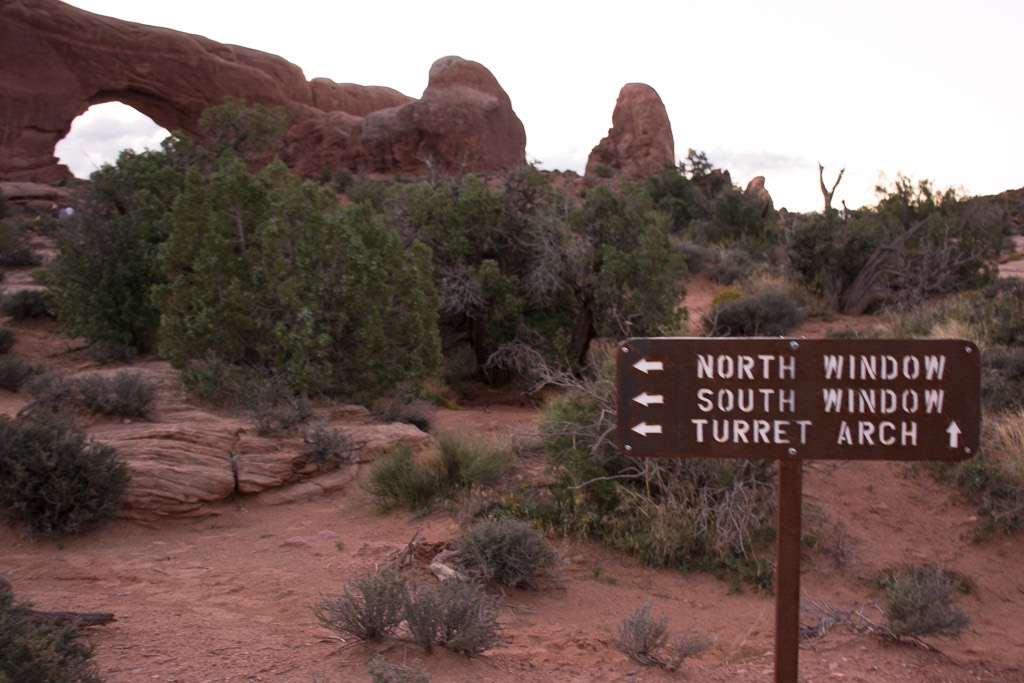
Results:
x,y
640,141
60,60
757,191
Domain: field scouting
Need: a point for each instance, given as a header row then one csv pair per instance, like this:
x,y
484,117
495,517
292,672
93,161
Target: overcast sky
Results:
x,y
930,89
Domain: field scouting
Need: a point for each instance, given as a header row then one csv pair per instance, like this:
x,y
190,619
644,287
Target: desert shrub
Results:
x,y
1002,378
369,608
25,304
643,637
55,483
994,478
509,551
51,392
382,672
342,180
216,382
281,414
465,462
401,409
459,615
14,372
106,353
325,446
685,513
919,602
34,652
14,248
6,339
398,477
126,394
603,171
764,314
727,266
646,639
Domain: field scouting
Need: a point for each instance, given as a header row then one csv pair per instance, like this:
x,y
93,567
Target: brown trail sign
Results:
x,y
794,400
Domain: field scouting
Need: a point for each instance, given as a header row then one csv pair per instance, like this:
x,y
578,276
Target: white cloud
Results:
x,y
102,132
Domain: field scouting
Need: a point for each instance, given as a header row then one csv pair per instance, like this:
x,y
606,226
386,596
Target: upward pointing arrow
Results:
x,y
954,434
645,366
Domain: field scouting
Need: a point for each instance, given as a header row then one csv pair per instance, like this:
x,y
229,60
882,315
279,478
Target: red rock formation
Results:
x,y
59,60
639,143
756,190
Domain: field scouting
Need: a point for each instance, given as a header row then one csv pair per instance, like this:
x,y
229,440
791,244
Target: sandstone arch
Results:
x,y
59,60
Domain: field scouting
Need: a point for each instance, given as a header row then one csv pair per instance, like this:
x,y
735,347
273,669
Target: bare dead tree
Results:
x,y
825,192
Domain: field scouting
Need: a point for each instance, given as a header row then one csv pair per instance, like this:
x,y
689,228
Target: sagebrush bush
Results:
x,y
459,615
53,481
34,652
764,314
126,394
643,637
14,248
25,304
370,607
6,340
51,392
14,372
919,602
509,551
325,446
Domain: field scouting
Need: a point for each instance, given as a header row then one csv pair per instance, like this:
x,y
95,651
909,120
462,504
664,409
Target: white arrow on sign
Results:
x,y
645,366
954,434
646,399
643,429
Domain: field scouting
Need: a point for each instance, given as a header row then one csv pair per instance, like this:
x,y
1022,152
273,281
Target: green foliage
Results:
x,y
603,171
769,313
398,477
25,304
33,652
15,249
915,244
6,339
108,252
251,131
524,275
465,462
126,394
55,483
919,602
272,272
370,608
509,551
14,372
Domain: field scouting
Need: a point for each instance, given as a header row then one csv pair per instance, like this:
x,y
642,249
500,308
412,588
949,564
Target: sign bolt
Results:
x,y
792,451
794,345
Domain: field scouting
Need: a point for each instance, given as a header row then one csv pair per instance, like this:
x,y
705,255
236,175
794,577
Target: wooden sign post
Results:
x,y
793,400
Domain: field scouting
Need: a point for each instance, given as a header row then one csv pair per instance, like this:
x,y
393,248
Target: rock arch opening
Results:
x,y
102,132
